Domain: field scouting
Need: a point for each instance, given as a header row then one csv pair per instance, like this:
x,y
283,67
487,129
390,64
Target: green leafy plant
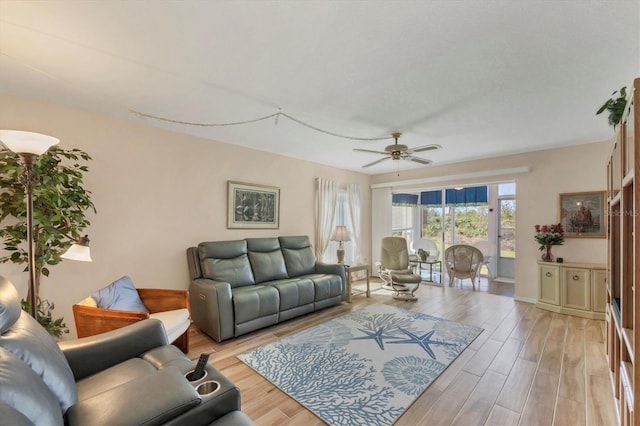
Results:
x,y
60,204
55,327
615,106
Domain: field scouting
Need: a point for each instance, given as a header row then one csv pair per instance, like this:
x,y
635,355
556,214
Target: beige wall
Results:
x,y
573,169
158,192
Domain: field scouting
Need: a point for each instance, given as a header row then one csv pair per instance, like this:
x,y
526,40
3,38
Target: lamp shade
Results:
x,y
79,251
340,234
22,142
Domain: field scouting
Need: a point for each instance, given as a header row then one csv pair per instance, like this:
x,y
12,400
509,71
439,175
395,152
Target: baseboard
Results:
x,y
525,299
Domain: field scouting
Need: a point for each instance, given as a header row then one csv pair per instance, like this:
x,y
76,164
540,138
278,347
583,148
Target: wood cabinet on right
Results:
x,y
623,261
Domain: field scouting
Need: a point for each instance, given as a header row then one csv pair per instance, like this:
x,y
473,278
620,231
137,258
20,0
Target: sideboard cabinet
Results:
x,y
573,288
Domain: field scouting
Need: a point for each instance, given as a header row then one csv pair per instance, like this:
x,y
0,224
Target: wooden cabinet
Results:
x,y
623,261
548,284
599,290
572,288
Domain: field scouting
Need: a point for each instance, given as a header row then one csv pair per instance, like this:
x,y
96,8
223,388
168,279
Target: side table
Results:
x,y
348,270
431,262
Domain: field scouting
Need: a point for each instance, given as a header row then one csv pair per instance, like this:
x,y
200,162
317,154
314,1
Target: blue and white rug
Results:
x,y
363,368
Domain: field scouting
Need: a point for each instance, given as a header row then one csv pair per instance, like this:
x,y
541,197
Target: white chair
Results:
x,y
395,271
463,261
426,245
488,252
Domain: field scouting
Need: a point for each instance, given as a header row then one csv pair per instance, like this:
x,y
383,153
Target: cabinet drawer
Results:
x,y
576,292
549,285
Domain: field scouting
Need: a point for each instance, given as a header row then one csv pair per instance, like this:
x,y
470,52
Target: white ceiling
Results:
x,y
479,78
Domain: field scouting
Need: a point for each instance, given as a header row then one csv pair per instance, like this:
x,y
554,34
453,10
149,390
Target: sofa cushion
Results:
x,y
124,372
298,255
10,309
226,261
266,259
120,295
175,322
294,292
31,343
254,302
326,286
22,389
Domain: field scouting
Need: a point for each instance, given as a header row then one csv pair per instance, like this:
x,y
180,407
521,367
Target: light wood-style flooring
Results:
x,y
528,367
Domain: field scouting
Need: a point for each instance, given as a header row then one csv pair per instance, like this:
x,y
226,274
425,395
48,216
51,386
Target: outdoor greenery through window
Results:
x,y
458,216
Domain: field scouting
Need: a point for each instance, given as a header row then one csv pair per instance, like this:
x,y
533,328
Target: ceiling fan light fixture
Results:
x,y
397,151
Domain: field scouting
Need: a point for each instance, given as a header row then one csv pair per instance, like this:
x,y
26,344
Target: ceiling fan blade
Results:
x,y
425,148
417,159
376,162
368,150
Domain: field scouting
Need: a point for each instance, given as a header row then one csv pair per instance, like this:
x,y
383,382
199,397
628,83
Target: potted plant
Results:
x,y
615,106
60,203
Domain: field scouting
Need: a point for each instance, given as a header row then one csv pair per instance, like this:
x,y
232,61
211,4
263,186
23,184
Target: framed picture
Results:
x,y
582,214
253,206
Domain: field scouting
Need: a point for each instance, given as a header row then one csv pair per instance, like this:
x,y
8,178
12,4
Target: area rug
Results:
x,y
363,368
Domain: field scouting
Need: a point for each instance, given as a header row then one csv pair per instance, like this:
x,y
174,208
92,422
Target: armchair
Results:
x,y
488,253
125,376
463,261
426,245
171,307
394,269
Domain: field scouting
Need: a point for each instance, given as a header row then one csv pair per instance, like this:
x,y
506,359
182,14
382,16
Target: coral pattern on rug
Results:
x,y
365,367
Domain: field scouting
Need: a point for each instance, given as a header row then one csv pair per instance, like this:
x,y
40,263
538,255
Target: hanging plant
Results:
x,y
615,106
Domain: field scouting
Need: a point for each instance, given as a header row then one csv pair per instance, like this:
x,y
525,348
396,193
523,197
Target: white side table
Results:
x,y
348,270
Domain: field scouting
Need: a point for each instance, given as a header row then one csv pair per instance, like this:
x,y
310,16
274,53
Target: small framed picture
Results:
x,y
582,214
253,206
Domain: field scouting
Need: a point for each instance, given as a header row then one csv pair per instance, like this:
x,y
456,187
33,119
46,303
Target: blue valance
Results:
x,y
404,200
473,195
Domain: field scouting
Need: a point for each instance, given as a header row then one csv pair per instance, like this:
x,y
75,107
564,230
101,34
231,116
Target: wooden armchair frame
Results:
x,y
91,321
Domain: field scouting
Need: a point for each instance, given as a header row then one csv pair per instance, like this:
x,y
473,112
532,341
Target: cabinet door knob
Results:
x,y
548,274
576,278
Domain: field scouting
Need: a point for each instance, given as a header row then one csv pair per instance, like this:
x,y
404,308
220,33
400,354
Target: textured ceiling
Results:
x,y
479,78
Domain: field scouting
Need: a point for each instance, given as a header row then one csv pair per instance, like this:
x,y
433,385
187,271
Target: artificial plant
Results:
x,y
60,205
615,106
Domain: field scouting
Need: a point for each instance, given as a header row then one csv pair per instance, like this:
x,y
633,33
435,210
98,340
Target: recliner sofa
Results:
x,y
127,376
240,286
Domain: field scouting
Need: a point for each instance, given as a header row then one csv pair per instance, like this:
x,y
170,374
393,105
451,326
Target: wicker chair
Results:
x,y
463,261
168,306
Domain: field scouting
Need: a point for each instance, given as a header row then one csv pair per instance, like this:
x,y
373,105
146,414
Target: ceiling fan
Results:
x,y
398,151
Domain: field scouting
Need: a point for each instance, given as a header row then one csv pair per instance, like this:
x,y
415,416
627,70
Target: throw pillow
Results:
x,y
120,295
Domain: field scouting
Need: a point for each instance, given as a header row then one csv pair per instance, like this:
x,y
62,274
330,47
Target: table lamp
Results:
x,y
340,235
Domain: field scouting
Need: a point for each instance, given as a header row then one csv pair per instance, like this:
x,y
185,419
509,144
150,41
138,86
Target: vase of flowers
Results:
x,y
548,236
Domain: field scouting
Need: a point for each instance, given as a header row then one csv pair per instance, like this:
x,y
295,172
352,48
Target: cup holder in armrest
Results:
x,y
189,376
208,387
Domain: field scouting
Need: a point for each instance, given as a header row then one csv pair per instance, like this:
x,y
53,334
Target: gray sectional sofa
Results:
x,y
243,285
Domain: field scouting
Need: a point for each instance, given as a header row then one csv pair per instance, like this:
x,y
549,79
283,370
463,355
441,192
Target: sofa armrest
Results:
x,y
90,355
212,308
91,320
162,300
334,268
149,400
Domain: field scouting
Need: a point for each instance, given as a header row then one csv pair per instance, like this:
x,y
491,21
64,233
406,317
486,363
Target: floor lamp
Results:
x,y
29,146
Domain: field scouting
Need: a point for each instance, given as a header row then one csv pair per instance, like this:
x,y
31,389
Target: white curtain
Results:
x,y
354,198
326,195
